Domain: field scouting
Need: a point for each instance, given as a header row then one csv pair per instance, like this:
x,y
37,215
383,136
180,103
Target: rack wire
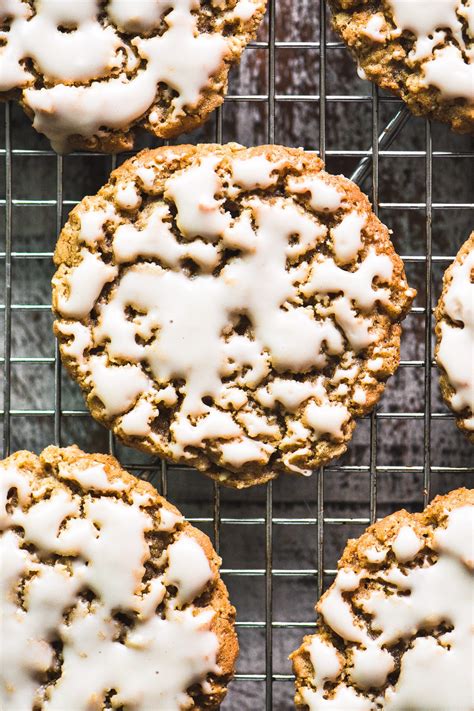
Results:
x,y
288,532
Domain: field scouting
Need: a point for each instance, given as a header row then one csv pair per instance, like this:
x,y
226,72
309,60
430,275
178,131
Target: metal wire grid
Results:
x,y
320,524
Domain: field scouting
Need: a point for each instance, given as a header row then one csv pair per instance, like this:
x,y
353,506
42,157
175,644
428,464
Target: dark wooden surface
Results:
x,y
400,442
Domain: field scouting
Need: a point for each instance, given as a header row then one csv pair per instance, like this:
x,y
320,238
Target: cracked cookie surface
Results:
x,y
110,599
228,308
395,628
455,337
89,73
422,51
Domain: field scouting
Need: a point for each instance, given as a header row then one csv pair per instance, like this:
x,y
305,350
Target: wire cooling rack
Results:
x,y
280,543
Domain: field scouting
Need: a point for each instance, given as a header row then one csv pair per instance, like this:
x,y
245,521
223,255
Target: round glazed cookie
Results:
x,y
395,628
110,599
89,73
228,308
422,51
455,337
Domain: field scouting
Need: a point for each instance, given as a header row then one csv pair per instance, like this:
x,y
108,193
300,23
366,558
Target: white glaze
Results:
x,y
116,386
453,540
345,699
324,197
85,282
152,236
186,554
182,327
243,10
327,418
436,672
347,237
169,520
290,393
255,172
160,656
81,340
92,224
127,196
136,16
325,660
337,612
93,477
327,277
375,364
375,28
447,62
371,666
407,544
146,176
244,450
456,344
374,555
97,78
136,423
258,426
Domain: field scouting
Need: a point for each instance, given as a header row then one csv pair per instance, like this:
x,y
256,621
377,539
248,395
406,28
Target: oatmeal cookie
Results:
x,y
89,73
110,599
395,628
228,308
455,337
422,51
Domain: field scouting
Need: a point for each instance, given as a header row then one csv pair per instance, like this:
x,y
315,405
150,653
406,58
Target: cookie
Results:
x,y
455,337
110,599
231,309
395,628
421,51
90,73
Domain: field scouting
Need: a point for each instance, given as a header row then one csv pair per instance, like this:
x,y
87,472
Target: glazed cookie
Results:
x,y
89,73
110,599
455,337
395,628
228,308
422,51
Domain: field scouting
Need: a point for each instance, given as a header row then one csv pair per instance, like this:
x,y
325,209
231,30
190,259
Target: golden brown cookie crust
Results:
x,y
385,61
45,480
382,354
379,537
447,389
159,118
